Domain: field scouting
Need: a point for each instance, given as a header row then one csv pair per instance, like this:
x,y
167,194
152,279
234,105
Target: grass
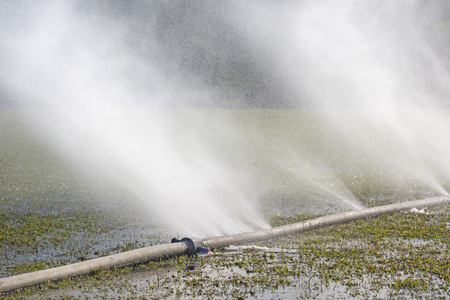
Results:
x,y
53,214
401,255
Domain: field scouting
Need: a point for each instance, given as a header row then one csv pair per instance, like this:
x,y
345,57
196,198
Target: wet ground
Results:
x,y
399,256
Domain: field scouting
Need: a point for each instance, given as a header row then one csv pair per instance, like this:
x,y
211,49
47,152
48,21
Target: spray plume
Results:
x,y
377,72
86,88
105,75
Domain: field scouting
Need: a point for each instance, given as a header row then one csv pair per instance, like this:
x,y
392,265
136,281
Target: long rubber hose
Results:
x,y
291,229
188,246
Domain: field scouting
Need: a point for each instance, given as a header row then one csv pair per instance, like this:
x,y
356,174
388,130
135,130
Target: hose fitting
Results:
x,y
193,245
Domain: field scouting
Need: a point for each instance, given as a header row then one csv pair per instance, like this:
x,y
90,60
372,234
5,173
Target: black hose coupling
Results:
x,y
193,245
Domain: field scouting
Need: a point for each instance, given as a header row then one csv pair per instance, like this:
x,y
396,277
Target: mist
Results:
x,y
377,72
116,88
102,105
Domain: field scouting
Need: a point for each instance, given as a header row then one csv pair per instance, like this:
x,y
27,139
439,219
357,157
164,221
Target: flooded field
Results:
x,y
400,256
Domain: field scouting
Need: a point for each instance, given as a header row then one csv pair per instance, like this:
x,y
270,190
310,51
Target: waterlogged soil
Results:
x,y
402,256
44,241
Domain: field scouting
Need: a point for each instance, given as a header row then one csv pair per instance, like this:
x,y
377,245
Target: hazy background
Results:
x,y
240,52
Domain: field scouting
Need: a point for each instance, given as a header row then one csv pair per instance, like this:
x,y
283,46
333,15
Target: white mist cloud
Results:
x,y
368,68
371,69
98,102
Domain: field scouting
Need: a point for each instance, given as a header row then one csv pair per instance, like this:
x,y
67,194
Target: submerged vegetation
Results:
x,y
52,214
401,255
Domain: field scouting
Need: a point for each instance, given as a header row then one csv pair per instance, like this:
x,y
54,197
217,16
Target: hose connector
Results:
x,y
193,245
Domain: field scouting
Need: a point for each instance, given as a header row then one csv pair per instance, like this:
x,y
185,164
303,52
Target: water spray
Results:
x,y
192,246
83,69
